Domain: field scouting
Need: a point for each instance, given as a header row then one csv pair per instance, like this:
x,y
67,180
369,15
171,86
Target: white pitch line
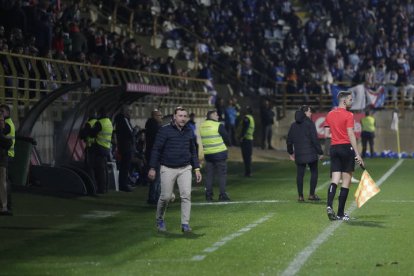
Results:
x,y
230,237
304,255
239,202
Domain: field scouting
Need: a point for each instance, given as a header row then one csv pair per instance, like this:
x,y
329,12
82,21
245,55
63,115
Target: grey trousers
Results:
x,y
219,170
183,177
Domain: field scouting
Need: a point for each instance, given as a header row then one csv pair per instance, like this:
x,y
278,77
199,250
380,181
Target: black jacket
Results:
x,y
124,134
174,148
303,140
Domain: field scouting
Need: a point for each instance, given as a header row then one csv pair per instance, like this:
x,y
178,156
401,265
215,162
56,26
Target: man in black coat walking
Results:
x,y
304,148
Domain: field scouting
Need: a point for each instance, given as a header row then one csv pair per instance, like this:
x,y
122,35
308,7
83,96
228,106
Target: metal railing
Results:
x,y
25,79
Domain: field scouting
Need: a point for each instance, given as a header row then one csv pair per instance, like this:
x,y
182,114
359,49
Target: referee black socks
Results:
x,y
343,195
331,193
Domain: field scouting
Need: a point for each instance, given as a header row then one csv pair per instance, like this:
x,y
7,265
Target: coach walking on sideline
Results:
x,y
343,152
303,148
214,138
174,151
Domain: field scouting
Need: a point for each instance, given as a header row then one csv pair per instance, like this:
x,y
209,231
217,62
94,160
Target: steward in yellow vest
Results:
x,y
367,134
102,131
214,139
246,138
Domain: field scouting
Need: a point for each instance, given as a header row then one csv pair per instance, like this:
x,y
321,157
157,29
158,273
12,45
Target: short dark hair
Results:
x,y
306,108
208,116
179,108
343,94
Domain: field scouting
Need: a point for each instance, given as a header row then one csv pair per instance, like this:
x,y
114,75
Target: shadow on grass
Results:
x,y
190,236
368,221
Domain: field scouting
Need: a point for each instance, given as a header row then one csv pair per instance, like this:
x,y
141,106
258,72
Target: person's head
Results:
x,y
307,110
345,99
249,110
5,109
126,110
367,112
192,116
157,115
212,115
180,116
102,112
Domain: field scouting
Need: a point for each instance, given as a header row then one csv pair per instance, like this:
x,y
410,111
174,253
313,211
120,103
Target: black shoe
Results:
x,y
345,217
209,198
314,198
224,197
301,199
6,213
330,212
126,189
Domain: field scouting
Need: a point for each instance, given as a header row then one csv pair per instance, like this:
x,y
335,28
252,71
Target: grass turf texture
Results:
x,y
115,234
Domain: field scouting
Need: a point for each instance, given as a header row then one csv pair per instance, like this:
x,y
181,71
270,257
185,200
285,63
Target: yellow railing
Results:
x,y
25,79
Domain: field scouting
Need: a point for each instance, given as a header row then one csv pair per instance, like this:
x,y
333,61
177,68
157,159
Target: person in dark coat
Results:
x,y
304,148
125,145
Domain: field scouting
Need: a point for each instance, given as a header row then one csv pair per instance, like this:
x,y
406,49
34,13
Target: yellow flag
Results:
x,y
366,189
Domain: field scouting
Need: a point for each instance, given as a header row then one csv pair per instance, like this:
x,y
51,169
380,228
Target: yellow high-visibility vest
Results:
x,y
250,130
104,136
11,135
368,124
211,138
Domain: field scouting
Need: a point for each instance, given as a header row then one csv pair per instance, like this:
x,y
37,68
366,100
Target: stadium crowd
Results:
x,y
265,43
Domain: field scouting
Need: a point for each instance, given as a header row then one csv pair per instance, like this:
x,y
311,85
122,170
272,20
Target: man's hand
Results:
x,y
151,174
198,176
292,157
359,160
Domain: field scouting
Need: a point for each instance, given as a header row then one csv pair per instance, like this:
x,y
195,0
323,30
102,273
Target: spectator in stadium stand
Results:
x,y
246,137
304,148
79,42
152,126
174,152
102,131
125,144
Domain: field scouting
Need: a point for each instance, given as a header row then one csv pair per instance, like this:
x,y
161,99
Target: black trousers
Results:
x,y
124,167
247,151
367,137
300,173
101,173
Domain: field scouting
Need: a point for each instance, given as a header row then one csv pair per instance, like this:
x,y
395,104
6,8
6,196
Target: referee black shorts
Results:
x,y
342,158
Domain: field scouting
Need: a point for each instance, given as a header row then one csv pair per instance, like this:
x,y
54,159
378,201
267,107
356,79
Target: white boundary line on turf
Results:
x,y
239,202
301,258
230,237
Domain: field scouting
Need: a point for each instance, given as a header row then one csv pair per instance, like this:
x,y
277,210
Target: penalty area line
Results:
x,y
230,237
303,256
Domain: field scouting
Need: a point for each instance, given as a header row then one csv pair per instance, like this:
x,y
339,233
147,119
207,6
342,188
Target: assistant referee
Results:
x,y
343,153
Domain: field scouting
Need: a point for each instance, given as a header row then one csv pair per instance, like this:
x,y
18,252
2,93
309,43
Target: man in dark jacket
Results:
x,y
303,148
125,142
174,152
152,126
